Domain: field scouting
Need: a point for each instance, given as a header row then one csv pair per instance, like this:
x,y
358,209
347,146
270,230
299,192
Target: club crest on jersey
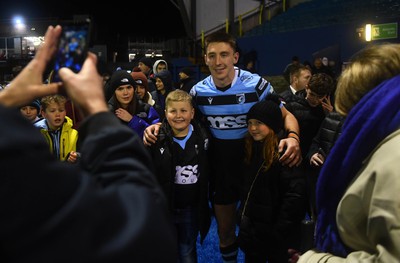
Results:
x,y
210,99
240,98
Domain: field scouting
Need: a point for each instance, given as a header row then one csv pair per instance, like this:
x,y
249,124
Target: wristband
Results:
x,y
294,138
289,132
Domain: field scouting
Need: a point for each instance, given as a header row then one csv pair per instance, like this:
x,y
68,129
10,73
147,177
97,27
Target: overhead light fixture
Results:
x,y
368,32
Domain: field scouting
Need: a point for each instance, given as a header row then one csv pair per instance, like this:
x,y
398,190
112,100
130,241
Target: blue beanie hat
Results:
x,y
35,103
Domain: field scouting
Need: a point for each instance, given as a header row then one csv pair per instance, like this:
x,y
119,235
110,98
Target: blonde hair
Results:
x,y
178,95
368,68
47,100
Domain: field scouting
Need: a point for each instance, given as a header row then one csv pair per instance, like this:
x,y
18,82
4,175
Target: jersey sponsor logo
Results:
x,y
210,99
188,174
227,122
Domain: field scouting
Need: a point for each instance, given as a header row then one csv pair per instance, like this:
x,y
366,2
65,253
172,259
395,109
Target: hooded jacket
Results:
x,y
156,64
144,115
68,137
158,97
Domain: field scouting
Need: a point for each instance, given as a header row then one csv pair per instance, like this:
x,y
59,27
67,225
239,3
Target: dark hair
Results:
x,y
220,36
132,106
296,70
321,83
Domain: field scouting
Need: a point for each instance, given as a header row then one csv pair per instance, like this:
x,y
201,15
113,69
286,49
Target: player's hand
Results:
x,y
292,155
150,134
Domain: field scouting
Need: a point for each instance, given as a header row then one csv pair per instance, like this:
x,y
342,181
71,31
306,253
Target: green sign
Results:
x,y
384,31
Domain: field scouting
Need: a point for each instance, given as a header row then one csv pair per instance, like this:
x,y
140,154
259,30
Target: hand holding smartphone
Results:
x,y
72,47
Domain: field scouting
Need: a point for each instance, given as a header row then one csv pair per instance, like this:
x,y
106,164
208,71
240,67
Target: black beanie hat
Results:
x,y
120,78
35,103
188,71
268,112
147,61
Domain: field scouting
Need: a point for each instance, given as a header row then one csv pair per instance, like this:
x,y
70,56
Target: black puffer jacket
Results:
x,y
274,211
329,131
309,119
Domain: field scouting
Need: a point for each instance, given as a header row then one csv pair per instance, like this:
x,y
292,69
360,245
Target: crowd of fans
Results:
x,y
132,167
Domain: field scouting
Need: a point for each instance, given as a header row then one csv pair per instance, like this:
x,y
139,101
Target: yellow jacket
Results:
x,y
68,138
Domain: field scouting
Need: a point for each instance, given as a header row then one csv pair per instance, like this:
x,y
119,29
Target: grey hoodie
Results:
x,y
156,64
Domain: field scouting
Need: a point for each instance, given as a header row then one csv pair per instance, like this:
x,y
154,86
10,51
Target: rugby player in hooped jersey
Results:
x,y
223,100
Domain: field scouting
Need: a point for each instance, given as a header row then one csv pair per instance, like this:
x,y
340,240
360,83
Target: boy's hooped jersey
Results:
x,y
226,111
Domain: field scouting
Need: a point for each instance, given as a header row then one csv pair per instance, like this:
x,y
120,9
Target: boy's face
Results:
x,y
179,114
29,112
161,66
143,67
55,115
314,99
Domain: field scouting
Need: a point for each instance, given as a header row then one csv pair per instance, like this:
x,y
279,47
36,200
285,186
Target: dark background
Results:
x,y
115,20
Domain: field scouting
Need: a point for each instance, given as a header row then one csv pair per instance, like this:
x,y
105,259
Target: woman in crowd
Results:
x,y
357,191
127,106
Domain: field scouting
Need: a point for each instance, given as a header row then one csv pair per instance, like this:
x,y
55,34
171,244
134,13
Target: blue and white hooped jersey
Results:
x,y
226,111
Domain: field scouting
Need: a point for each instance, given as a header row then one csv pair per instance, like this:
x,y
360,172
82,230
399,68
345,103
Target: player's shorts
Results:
x,y
226,171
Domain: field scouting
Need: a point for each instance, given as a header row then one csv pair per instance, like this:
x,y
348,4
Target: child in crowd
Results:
x,y
56,128
186,79
126,105
273,203
31,111
142,87
181,164
164,85
159,65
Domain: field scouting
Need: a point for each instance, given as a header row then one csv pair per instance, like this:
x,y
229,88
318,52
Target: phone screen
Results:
x,y
72,47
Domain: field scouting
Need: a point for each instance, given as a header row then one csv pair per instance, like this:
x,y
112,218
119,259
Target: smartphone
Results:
x,y
73,47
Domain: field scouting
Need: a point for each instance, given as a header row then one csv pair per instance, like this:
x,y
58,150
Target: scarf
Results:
x,y
371,120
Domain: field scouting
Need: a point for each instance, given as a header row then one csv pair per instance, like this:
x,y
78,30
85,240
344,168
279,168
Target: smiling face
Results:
x,y
160,85
221,59
179,115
